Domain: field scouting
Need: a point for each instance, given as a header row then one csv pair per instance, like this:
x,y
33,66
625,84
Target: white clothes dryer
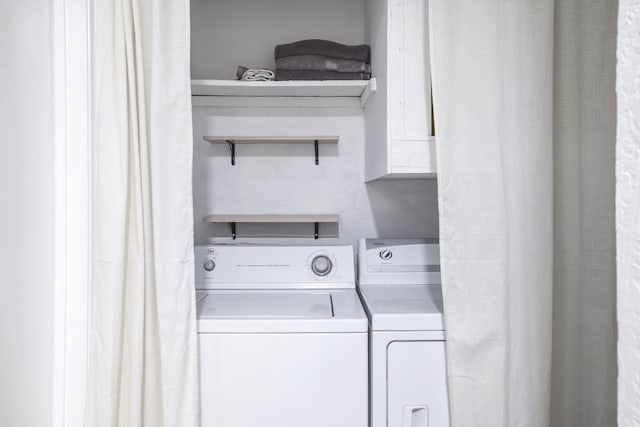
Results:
x,y
282,337
399,282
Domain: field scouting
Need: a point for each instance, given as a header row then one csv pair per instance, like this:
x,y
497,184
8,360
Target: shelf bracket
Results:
x,y
316,226
232,147
233,230
315,143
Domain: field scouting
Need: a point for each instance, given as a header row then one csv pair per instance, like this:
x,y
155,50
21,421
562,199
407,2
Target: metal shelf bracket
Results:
x,y
232,147
315,144
233,230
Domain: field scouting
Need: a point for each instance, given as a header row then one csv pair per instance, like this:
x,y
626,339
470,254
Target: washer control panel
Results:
x,y
274,267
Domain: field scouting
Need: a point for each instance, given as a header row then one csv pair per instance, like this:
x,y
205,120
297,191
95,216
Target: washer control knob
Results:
x,y
209,265
321,265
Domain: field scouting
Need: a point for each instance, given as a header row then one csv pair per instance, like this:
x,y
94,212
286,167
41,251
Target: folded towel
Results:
x,y
321,63
319,75
244,73
324,48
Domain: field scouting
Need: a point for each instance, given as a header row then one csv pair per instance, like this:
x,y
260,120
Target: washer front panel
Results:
x,y
283,380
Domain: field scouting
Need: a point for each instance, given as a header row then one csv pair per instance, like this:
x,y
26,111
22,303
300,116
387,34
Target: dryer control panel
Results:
x,y
399,261
274,267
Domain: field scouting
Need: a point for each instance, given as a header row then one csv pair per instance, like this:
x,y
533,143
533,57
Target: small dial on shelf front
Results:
x,y
209,265
321,265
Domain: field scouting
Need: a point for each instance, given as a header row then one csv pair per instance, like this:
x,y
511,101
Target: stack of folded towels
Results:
x,y
322,60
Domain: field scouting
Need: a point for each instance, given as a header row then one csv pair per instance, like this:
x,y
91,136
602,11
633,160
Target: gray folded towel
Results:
x,y
321,63
324,48
319,75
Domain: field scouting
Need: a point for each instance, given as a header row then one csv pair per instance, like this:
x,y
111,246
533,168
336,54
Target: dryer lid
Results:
x,y
404,307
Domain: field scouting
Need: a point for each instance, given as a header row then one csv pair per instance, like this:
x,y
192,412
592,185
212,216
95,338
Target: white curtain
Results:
x,y
143,342
525,120
628,212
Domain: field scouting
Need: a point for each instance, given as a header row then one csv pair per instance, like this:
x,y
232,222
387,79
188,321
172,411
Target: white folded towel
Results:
x,y
258,75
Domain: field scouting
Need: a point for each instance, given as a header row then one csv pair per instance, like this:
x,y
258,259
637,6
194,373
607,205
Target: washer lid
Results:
x,y
267,305
280,311
404,307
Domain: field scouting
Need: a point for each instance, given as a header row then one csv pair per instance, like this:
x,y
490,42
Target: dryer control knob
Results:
x,y
321,265
209,265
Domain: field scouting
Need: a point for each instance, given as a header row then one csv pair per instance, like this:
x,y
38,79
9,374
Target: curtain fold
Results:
x,y
492,87
143,341
524,107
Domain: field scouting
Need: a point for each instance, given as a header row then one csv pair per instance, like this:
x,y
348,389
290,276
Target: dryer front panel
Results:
x,y
417,384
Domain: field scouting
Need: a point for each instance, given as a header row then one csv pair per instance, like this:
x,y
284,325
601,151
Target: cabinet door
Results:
x,y
417,384
409,75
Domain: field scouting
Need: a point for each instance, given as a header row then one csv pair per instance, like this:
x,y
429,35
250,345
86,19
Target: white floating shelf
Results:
x,y
361,89
272,218
253,139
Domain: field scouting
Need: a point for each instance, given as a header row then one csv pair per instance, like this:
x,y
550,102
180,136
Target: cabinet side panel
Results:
x,y
376,113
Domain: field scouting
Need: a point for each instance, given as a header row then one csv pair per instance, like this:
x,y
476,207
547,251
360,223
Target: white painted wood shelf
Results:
x,y
257,139
232,219
232,140
272,218
360,89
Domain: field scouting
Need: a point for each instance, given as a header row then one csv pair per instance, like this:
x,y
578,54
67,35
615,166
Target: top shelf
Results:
x,y
308,88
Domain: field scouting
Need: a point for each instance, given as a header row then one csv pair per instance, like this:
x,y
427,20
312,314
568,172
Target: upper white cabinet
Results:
x,y
398,120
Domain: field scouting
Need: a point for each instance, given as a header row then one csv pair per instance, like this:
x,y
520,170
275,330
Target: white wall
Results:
x,y
26,213
228,33
628,213
283,179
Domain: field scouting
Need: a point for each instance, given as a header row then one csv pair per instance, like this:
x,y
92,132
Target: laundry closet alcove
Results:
x,y
380,126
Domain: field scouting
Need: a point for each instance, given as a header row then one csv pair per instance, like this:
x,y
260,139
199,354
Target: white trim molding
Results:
x,y
71,59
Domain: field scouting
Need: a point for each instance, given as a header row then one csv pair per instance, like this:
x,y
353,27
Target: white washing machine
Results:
x,y
282,337
399,281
